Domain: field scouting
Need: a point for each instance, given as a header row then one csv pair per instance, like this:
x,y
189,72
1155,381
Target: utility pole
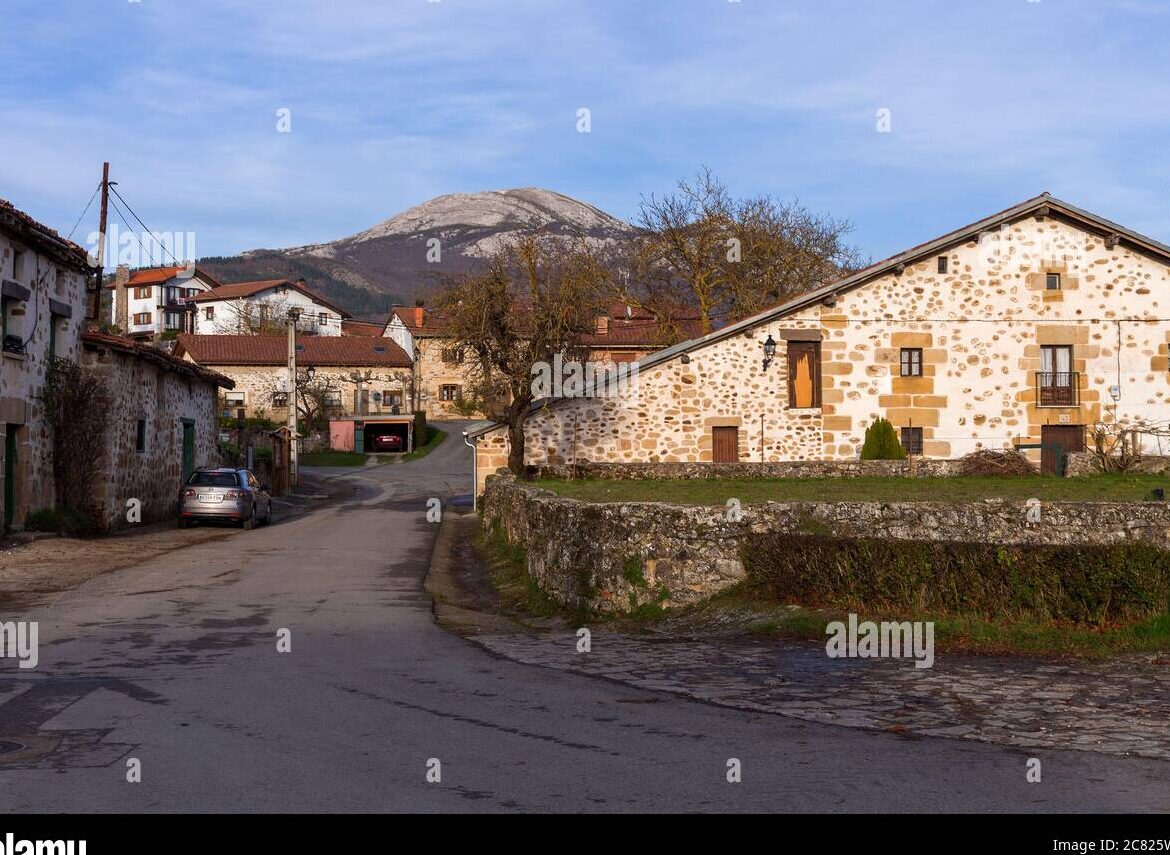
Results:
x,y
293,462
101,248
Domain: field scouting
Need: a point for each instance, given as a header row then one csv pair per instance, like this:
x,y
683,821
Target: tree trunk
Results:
x,y
516,442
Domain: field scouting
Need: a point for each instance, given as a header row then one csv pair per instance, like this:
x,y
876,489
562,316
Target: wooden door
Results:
x,y
1058,441
725,444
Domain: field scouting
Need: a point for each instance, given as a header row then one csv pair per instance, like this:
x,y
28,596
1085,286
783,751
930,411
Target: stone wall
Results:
x,y
616,556
139,389
917,467
54,288
1085,463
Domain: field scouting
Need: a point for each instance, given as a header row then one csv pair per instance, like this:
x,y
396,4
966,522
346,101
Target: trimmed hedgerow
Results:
x,y
1082,584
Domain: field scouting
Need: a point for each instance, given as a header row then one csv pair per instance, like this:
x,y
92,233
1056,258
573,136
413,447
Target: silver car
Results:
x,y
226,495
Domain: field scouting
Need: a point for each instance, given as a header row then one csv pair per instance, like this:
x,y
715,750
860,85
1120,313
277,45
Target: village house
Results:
x,y
622,334
242,308
1022,329
360,385
161,423
153,301
43,299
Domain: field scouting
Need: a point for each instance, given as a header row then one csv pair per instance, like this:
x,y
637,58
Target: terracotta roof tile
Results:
x,y
147,352
311,350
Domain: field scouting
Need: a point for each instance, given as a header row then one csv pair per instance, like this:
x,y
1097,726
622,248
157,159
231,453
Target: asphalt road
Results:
x,y
174,663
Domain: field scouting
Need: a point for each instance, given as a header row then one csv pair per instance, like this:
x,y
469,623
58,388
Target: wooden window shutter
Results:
x,y
804,374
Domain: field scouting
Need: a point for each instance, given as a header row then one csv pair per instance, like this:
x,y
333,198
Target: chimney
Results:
x,y
122,298
420,303
603,324
301,283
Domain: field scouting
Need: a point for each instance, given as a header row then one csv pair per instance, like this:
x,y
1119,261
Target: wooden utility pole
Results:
x,y
101,248
293,461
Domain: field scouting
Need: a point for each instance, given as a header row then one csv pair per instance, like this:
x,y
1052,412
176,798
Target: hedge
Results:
x,y
1083,584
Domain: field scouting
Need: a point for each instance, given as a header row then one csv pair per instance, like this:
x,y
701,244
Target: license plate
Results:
x,y
211,499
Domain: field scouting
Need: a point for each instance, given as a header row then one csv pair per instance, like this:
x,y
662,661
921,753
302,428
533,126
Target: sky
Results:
x,y
392,102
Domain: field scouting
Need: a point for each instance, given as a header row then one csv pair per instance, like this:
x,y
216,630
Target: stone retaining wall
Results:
x,y
918,467
617,556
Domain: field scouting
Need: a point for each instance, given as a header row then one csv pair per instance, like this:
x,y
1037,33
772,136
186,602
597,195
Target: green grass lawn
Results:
x,y
434,439
716,491
333,458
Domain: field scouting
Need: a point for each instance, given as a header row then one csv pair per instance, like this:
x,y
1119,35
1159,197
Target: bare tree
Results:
x,y
1117,446
255,317
702,247
534,302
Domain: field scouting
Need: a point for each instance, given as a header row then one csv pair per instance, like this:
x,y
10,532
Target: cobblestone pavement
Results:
x,y
1121,707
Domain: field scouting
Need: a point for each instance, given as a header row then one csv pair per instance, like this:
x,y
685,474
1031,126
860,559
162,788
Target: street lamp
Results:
x,y
769,351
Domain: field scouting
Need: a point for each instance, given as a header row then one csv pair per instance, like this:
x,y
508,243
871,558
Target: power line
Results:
x,y
129,229
86,211
144,226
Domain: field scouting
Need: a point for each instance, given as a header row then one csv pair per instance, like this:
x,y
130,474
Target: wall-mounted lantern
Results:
x,y
769,351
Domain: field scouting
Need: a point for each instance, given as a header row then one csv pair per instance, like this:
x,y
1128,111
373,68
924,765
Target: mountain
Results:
x,y
388,263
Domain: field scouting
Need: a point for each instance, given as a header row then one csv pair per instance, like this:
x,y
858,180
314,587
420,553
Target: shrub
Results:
x,y
68,521
420,428
881,442
1083,584
991,462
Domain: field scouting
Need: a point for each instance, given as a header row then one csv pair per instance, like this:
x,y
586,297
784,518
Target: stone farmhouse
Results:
x,y
153,300
43,300
244,308
161,417
623,334
1021,329
361,384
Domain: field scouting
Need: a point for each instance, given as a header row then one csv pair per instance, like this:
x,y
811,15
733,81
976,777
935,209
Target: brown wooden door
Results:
x,y
1059,440
725,444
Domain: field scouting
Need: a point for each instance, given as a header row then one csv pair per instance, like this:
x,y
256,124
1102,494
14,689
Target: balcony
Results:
x,y
1058,388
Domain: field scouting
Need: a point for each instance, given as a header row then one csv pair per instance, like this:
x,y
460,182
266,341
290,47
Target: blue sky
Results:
x,y
396,101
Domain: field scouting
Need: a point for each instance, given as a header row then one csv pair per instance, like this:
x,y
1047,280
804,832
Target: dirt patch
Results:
x,y
30,571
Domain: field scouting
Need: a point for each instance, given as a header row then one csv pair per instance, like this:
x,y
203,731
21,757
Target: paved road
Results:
x,y
175,663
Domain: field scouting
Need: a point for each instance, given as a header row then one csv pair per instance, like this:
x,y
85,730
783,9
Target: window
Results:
x,y
143,318
15,346
142,293
943,263
234,399
804,374
323,318
280,399
214,479
333,398
209,313
174,320
140,436
452,355
912,362
1056,382
54,322
18,265
449,393
392,398
1052,282
912,440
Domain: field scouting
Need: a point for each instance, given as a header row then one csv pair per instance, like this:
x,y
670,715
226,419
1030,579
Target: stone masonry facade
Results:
x,y
979,318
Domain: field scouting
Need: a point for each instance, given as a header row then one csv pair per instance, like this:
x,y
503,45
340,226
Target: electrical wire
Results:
x,y
145,227
86,211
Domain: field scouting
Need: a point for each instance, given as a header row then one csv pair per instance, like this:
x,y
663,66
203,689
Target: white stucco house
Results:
x,y
153,300
262,306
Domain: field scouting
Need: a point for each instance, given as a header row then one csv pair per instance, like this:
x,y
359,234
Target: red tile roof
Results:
x,y
239,290
25,228
152,354
337,350
366,328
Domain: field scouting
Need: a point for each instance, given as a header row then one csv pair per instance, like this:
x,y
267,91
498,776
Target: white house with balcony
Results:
x,y
242,308
154,300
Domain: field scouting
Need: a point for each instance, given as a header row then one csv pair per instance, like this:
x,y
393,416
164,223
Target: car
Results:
x,y
224,495
386,442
